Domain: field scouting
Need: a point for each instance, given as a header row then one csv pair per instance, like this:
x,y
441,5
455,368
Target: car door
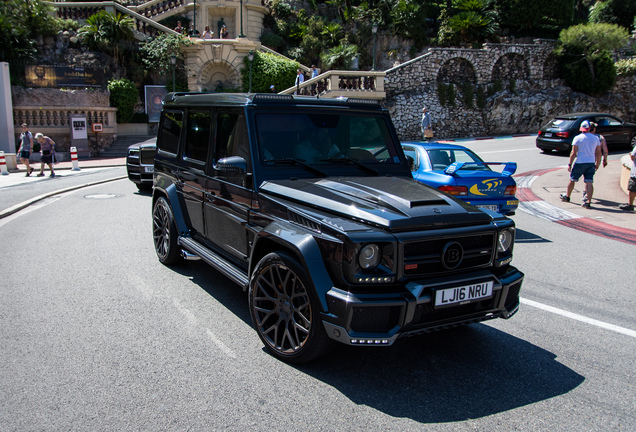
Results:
x,y
192,167
229,191
612,129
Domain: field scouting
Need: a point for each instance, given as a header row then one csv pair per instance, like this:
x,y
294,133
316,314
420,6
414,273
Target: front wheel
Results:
x,y
285,310
632,142
164,233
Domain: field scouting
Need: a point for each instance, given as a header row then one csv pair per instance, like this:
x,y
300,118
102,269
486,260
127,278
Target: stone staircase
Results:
x,y
120,146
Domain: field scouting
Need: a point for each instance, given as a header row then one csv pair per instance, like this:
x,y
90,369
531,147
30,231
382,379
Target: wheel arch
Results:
x,y
170,194
302,246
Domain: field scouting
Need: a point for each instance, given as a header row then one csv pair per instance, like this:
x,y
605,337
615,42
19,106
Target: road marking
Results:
x,y
192,320
604,325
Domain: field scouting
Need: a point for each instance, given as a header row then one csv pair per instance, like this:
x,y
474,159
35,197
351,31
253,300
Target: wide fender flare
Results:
x,y
303,245
170,193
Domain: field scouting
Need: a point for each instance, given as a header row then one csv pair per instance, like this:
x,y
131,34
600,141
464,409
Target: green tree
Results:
x,y
539,18
475,21
268,69
109,32
619,12
155,53
339,57
584,56
21,22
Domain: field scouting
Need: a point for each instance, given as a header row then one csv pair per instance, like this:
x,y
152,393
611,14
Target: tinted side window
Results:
x,y
231,137
198,135
170,131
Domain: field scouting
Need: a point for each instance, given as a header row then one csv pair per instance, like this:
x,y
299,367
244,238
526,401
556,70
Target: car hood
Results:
x,y
393,203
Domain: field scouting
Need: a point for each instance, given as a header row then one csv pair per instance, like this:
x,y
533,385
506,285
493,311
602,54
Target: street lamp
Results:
x,y
241,35
374,30
173,61
250,56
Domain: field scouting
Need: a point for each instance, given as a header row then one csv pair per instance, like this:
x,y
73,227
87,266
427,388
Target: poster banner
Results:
x,y
60,76
78,125
154,97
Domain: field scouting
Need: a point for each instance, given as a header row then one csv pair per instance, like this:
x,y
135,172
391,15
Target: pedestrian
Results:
x,y
179,28
427,132
47,148
314,74
604,152
193,33
586,150
207,34
26,147
224,32
272,88
631,185
300,78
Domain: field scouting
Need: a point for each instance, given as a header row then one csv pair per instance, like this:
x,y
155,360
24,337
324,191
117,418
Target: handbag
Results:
x,y
428,133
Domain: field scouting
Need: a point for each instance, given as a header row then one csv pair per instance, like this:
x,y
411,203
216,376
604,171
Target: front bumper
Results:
x,y
381,318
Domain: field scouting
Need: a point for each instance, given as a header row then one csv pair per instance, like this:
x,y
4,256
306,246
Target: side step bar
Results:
x,y
228,269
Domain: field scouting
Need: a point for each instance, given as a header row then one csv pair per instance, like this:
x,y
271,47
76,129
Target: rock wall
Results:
x,y
520,87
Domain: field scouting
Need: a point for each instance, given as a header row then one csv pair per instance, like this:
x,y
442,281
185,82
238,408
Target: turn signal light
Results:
x,y
510,190
454,190
563,134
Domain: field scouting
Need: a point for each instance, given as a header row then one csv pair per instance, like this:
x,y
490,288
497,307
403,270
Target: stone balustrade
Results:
x,y
363,84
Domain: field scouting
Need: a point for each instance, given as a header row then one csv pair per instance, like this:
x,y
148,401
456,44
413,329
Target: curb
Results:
x,y
16,208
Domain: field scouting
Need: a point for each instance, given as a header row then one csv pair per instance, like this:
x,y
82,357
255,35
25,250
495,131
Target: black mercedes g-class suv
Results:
x,y
309,205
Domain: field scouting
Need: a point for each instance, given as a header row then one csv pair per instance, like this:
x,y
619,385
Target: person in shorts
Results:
x,y
26,147
631,185
47,147
586,150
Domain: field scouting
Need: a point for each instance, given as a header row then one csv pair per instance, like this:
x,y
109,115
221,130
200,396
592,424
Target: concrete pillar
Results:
x,y
7,133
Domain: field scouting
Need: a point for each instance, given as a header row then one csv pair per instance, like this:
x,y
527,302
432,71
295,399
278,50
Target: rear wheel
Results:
x,y
285,310
164,233
632,142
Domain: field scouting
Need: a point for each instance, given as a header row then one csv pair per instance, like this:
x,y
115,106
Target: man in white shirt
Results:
x,y
300,78
586,149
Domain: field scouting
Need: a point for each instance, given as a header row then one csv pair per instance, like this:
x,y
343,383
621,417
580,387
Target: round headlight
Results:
x,y
505,240
369,257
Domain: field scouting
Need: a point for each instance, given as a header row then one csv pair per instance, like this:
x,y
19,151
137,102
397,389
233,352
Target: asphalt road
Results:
x,y
98,335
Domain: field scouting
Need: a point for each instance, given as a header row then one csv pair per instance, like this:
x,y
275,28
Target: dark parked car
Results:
x,y
558,133
458,171
309,205
140,164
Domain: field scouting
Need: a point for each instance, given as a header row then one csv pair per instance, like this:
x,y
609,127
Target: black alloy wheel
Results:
x,y
164,233
284,310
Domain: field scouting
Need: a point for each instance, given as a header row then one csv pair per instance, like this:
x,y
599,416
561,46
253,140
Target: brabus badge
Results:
x,y
436,210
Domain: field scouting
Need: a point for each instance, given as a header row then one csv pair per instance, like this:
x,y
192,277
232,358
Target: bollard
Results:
x,y
3,164
74,159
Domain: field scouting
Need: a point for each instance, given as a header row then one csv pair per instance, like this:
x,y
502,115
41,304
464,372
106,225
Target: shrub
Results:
x,y
468,94
451,94
626,67
268,69
442,93
593,76
124,97
481,97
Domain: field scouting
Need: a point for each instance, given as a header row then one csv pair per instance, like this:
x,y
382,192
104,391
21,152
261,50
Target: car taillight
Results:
x,y
510,190
562,134
454,190
539,133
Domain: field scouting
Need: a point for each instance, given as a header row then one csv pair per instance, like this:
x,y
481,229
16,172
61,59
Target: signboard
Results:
x,y
78,128
97,127
154,101
60,76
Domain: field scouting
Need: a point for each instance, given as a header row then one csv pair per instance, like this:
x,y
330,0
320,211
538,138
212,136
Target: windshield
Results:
x,y
441,158
323,139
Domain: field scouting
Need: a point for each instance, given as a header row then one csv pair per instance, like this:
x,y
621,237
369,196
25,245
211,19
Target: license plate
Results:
x,y
149,169
489,207
548,134
464,294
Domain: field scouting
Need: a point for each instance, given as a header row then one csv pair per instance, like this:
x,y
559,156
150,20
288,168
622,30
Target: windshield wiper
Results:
x,y
294,161
352,161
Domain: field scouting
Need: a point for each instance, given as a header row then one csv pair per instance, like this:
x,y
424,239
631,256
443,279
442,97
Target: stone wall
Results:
x,y
520,86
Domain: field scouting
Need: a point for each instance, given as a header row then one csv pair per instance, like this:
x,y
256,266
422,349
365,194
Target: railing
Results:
x,y
368,85
56,117
144,25
156,7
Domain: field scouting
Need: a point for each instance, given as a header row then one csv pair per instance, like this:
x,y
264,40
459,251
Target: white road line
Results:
x,y
192,320
506,151
546,211
606,326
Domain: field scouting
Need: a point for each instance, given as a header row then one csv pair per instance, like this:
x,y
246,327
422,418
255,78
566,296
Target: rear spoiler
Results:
x,y
509,169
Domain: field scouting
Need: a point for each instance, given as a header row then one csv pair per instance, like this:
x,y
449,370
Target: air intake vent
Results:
x,y
304,221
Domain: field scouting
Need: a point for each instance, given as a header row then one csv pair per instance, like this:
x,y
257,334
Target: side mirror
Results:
x,y
232,165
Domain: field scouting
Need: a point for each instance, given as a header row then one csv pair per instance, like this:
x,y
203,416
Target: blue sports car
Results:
x,y
458,171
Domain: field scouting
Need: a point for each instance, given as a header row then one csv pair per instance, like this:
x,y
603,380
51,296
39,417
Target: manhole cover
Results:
x,y
100,196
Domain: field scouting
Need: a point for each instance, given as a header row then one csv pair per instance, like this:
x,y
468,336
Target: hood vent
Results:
x,y
304,221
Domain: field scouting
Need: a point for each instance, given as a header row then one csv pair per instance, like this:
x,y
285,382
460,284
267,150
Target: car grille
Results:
x,y
147,156
513,295
426,314
425,257
375,319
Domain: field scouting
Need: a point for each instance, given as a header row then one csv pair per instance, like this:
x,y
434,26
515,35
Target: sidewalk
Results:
x,y
547,185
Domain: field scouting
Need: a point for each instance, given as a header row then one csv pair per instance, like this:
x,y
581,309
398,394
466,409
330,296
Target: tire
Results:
x,y
164,233
285,311
632,142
